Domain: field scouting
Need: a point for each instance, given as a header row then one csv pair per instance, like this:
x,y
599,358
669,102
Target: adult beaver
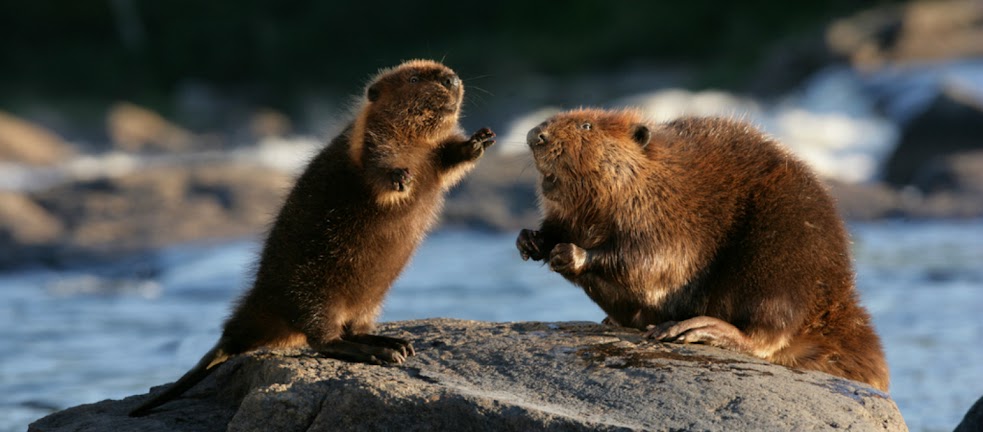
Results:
x,y
703,230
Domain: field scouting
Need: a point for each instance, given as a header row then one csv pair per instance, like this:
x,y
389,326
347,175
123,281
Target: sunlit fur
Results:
x,y
349,209
347,230
407,118
708,218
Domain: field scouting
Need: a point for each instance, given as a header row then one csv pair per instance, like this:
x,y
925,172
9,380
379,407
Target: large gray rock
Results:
x,y
470,375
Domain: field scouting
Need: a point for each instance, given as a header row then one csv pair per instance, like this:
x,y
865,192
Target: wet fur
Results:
x,y
711,218
351,223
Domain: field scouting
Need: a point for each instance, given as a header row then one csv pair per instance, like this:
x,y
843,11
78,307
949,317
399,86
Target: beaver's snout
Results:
x,y
400,179
536,136
451,82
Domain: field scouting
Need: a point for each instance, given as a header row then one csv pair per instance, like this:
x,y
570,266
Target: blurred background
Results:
x,y
145,147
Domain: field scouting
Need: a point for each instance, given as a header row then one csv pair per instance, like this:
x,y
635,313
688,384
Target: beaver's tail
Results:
x,y
205,366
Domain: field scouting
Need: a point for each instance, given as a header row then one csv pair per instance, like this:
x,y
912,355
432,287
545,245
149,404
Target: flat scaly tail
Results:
x,y
205,366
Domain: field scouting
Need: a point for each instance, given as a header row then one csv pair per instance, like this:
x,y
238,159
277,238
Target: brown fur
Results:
x,y
351,223
707,229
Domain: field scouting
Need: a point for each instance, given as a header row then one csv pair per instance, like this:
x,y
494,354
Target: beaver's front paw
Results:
x,y
479,141
568,259
400,179
530,244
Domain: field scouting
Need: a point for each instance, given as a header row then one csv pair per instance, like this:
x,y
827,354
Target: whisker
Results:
x,y
528,165
478,77
475,100
483,90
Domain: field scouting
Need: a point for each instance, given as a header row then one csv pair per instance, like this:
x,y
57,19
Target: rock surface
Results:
x,y
470,375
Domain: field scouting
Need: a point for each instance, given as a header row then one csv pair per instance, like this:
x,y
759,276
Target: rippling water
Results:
x,y
84,335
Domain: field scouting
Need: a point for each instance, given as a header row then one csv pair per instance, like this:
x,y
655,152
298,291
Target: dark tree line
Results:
x,y
276,48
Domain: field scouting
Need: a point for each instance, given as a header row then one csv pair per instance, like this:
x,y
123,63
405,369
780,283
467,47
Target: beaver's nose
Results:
x,y
451,82
536,136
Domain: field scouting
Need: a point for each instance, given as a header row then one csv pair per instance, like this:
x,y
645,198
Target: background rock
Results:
x,y
500,194
167,205
959,172
27,231
152,207
949,186
910,33
865,201
951,125
134,128
269,123
471,375
24,142
23,221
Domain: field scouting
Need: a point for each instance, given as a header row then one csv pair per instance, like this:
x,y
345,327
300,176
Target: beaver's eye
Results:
x,y
414,79
585,126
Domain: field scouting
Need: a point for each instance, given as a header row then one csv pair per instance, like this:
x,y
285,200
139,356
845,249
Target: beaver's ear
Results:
x,y
373,92
642,135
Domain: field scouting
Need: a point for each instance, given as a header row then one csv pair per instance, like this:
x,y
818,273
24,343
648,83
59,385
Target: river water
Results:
x,y
86,334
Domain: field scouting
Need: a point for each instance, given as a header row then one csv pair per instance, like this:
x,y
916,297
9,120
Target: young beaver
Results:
x,y
350,224
703,230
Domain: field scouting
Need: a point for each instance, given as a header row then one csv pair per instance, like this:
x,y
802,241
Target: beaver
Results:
x,y
351,223
701,230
